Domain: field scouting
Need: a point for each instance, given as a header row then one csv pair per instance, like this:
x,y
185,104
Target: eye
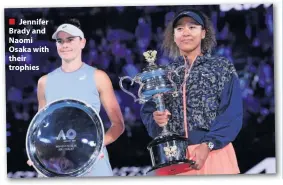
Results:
x,y
179,28
192,27
59,41
70,39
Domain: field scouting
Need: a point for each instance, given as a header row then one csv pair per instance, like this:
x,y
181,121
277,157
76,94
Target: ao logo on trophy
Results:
x,y
70,135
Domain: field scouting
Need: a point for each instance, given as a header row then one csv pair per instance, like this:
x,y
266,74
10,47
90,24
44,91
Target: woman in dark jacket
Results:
x,y
209,109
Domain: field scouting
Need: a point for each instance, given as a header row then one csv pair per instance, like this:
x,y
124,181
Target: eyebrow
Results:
x,y
72,37
190,22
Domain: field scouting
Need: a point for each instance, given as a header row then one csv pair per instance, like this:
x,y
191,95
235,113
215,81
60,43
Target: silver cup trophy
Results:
x,y
65,138
168,150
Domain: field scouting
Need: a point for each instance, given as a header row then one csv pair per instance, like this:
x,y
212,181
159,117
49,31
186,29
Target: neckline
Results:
x,y
199,58
72,72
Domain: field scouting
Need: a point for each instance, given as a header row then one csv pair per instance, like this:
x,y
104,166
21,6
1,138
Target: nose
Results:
x,y
64,44
186,31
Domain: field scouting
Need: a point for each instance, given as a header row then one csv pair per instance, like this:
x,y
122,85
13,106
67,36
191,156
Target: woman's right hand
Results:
x,y
30,163
161,118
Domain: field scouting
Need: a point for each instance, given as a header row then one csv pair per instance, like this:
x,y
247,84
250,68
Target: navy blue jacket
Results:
x,y
214,103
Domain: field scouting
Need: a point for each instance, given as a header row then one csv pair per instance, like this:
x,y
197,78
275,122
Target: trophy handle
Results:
x,y
137,80
175,92
123,89
141,100
185,76
176,72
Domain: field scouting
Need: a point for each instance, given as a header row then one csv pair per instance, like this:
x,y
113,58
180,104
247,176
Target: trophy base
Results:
x,y
171,168
168,153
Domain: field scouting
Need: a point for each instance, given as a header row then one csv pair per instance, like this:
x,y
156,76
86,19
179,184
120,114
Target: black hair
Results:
x,y
170,48
74,22
198,12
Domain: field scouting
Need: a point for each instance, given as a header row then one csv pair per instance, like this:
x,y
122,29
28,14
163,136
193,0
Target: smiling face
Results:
x,y
188,35
69,47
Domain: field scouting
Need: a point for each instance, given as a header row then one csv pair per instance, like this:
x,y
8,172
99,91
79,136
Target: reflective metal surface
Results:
x,y
153,80
65,138
169,155
167,150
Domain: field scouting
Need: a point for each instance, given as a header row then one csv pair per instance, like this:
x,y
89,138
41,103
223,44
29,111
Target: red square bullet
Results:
x,y
12,21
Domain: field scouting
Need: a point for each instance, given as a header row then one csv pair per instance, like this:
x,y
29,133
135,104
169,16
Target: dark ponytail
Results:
x,y
74,22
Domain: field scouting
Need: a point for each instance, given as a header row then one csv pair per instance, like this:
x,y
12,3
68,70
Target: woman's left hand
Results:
x,y
199,155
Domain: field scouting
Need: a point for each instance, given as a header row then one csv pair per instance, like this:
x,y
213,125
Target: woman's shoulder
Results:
x,y
175,63
219,60
222,63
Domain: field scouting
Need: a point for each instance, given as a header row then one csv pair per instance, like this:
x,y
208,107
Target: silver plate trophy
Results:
x,y
65,139
168,149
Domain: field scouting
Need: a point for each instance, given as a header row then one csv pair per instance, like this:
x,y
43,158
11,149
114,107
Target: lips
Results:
x,y
186,40
65,52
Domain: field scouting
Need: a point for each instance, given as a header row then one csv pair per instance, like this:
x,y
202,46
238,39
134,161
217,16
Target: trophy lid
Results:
x,y
150,57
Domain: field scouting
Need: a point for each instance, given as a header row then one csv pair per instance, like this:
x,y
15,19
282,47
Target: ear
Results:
x,y
83,42
203,33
